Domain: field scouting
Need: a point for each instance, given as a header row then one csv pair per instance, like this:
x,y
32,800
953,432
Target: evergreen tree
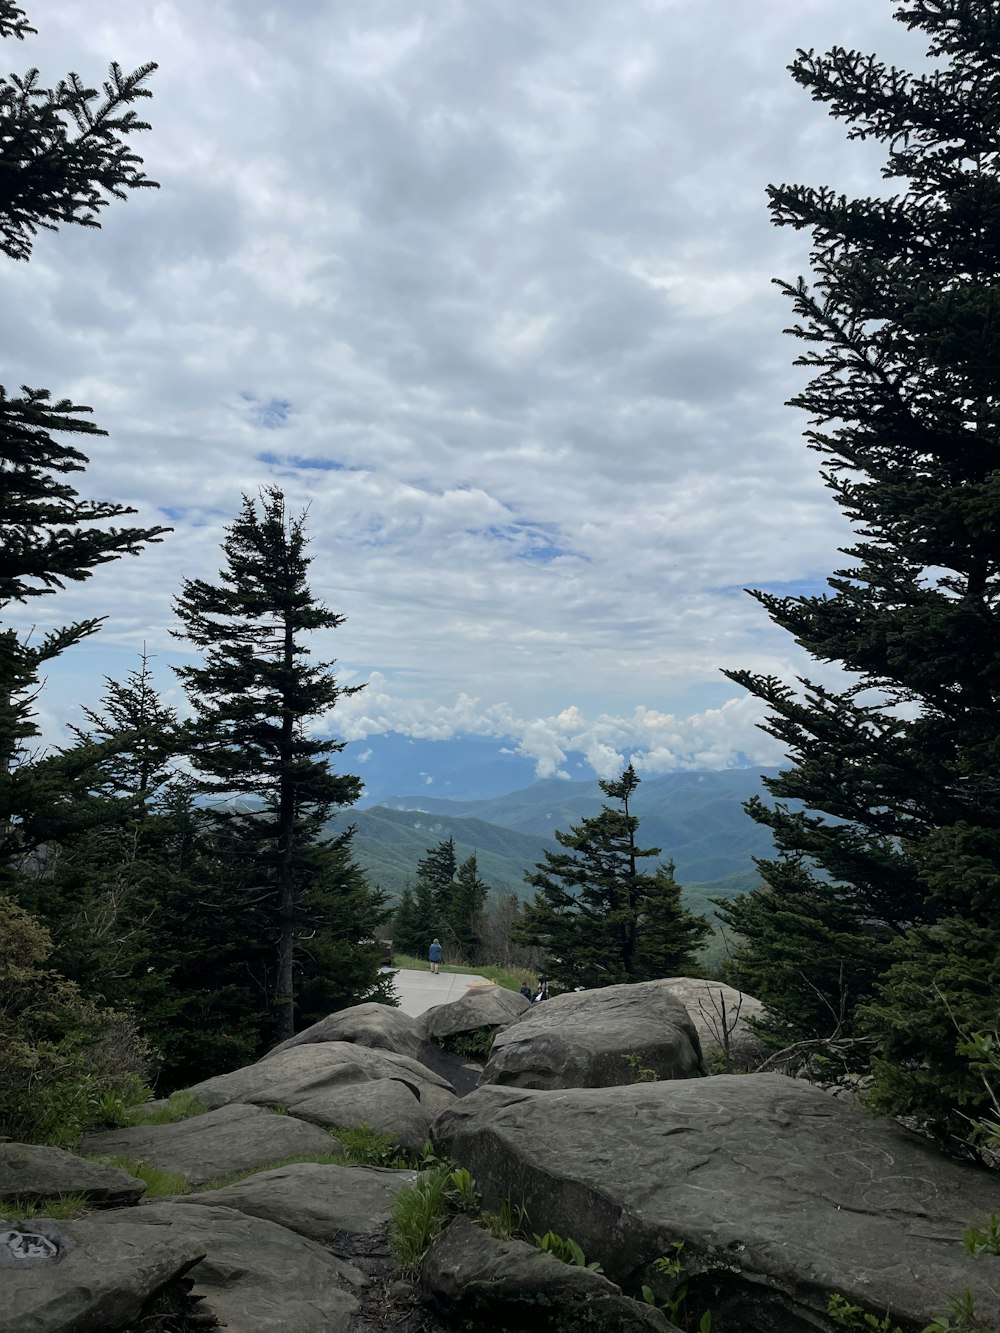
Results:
x,y
465,910
252,698
898,834
436,872
593,901
408,929
65,153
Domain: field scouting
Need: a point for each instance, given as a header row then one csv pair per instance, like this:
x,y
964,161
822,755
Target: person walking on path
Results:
x,y
434,954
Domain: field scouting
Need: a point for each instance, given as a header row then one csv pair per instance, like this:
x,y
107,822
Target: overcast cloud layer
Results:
x,y
487,285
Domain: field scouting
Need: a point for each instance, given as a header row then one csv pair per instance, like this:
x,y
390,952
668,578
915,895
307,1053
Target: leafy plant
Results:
x,y
364,1146
462,1191
418,1215
640,1073
960,1318
475,1043
846,1315
565,1249
674,1305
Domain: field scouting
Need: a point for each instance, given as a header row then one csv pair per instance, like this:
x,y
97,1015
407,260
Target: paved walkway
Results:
x,y
419,991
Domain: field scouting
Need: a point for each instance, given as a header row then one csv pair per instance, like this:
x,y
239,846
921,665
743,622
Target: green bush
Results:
x,y
66,1063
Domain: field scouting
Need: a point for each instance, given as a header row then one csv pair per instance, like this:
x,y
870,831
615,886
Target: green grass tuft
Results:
x,y
180,1106
160,1184
418,1214
64,1207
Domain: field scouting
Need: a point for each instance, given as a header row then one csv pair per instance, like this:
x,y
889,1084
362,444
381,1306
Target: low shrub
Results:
x,y
66,1064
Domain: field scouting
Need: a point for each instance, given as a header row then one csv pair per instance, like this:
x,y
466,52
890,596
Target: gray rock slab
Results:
x,y
780,1194
206,1147
386,1105
32,1171
718,1012
320,1202
97,1281
582,1040
256,1276
379,1026
479,1007
304,1071
509,1286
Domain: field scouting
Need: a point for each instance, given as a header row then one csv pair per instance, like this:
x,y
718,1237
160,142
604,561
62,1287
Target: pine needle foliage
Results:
x,y
888,816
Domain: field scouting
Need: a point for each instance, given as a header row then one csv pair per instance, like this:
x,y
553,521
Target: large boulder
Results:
x,y
510,1287
780,1194
255,1276
595,1039
32,1172
219,1143
327,1204
339,1083
480,1007
379,1026
721,1015
77,1277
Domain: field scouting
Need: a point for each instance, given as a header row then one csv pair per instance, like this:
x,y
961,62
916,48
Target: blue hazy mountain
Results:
x,y
481,793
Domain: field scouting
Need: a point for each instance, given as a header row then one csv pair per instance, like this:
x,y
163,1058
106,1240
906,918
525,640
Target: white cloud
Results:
x,y
487,288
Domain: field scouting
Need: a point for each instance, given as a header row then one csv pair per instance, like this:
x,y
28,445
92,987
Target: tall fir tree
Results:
x,y
66,153
252,698
897,840
466,906
594,902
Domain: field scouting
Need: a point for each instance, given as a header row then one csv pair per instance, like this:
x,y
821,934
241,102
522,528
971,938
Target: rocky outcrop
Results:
x,y
338,1083
509,1286
721,1014
219,1143
379,1026
596,1039
480,1007
780,1194
79,1277
323,1203
255,1276
33,1173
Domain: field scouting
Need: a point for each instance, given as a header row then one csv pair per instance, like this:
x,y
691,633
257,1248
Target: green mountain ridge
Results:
x,y
697,819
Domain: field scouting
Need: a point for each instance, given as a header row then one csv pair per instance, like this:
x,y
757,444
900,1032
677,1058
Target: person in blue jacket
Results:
x,y
434,954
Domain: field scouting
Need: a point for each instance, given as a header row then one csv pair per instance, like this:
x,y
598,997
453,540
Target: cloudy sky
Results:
x,y
486,284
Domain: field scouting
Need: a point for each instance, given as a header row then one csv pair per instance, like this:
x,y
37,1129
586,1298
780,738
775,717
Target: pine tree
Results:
x,y
436,872
65,155
593,901
465,910
252,698
408,929
898,834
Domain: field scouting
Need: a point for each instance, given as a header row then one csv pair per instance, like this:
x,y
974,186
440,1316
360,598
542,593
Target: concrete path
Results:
x,y
419,991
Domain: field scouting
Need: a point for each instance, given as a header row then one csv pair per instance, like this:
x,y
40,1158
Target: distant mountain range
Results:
x,y
696,818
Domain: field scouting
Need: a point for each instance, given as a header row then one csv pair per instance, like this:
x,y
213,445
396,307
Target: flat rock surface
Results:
x,y
510,1286
780,1194
31,1171
206,1147
385,1105
481,1007
581,1040
379,1026
256,1276
319,1202
304,1071
717,1009
96,1281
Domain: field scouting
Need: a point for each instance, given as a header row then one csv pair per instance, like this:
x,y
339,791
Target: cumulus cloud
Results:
x,y
487,288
